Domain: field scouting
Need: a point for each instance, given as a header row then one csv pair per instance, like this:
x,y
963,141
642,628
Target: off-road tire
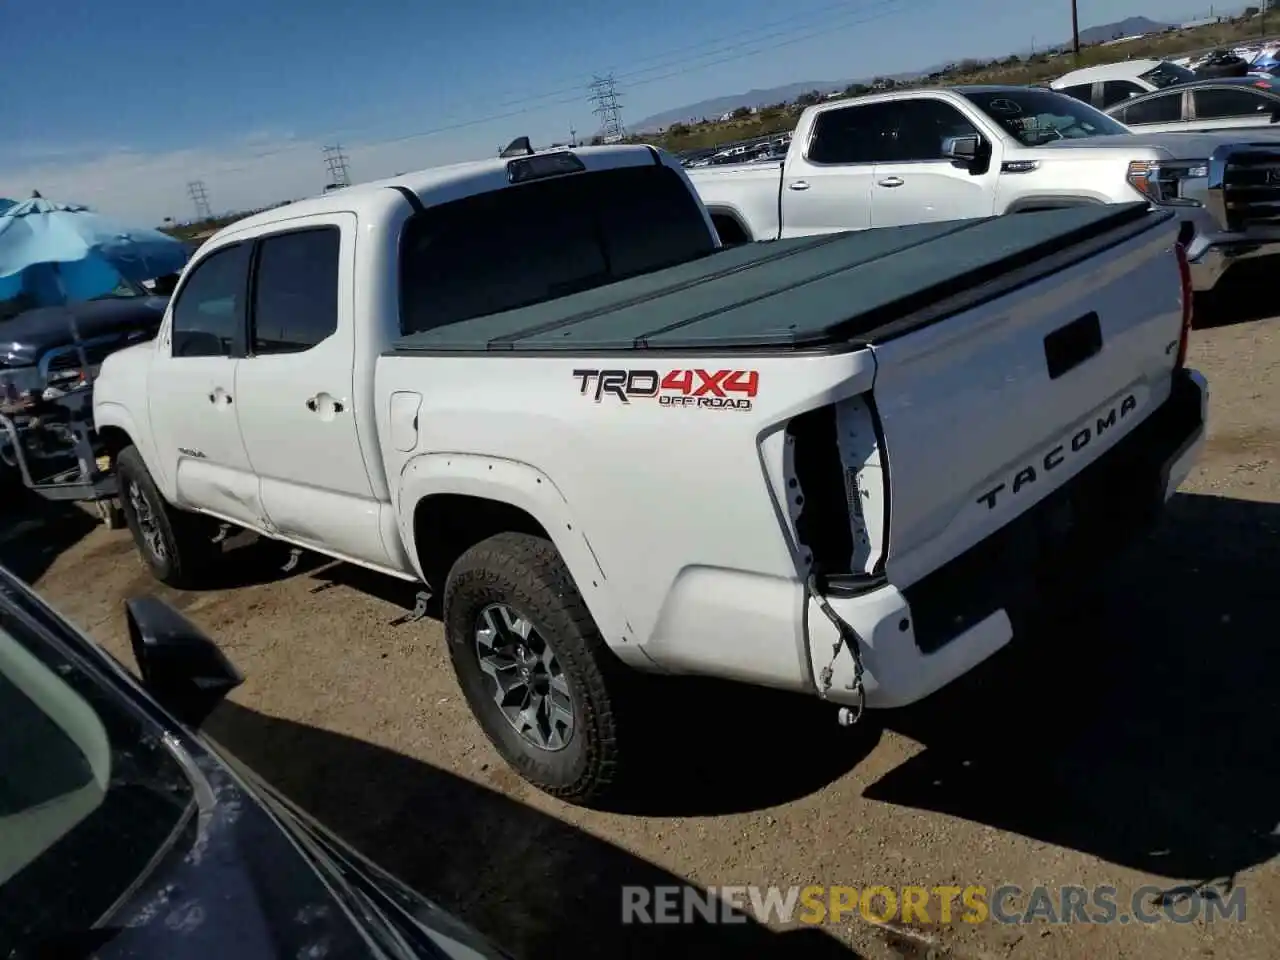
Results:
x,y
527,574
188,546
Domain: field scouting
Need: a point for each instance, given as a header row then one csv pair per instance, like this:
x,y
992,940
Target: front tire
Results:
x,y
533,666
174,544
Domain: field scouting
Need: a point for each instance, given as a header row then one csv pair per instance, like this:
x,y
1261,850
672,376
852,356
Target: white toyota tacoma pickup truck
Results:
x,y
838,465
885,160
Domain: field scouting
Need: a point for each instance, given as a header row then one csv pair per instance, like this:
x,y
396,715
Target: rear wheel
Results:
x,y
533,667
175,545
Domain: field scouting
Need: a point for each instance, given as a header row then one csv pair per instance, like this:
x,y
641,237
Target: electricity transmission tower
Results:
x,y
336,161
195,189
604,94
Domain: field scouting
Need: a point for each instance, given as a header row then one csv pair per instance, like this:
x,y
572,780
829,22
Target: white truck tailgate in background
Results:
x,y
968,404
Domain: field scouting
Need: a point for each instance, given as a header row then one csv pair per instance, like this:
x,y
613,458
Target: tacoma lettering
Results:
x,y
1027,476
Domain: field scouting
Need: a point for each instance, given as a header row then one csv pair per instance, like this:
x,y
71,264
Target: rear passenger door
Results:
x,y
296,392
826,186
1231,107
1157,113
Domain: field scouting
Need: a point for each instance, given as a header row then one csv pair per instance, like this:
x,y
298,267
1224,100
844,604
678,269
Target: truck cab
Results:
x,y
919,156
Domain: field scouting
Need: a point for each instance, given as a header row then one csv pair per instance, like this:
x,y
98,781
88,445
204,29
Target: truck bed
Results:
x,y
844,289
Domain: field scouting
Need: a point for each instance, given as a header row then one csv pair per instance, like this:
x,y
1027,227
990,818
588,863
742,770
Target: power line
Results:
x,y
604,94
729,54
336,161
195,190
678,56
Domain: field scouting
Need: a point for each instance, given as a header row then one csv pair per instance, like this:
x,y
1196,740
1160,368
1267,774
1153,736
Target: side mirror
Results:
x,y
180,666
961,149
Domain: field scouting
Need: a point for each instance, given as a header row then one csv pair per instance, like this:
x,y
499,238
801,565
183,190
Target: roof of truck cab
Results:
x,y
437,184
892,96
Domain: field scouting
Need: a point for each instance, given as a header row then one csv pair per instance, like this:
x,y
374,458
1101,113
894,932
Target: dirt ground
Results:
x,y
1133,744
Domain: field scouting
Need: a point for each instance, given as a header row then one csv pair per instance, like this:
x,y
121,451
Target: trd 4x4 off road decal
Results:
x,y
713,389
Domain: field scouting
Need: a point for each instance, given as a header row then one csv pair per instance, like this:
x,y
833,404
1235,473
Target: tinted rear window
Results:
x,y
545,239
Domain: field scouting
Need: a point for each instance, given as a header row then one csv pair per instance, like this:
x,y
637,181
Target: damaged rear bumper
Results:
x,y
918,639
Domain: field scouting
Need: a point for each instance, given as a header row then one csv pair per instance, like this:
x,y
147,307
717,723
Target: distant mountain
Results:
x,y
718,106
1130,27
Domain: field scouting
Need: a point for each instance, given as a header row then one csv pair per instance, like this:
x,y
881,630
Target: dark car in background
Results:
x,y
1227,103
126,833
38,344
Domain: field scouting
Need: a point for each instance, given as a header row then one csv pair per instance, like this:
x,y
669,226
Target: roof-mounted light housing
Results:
x,y
543,165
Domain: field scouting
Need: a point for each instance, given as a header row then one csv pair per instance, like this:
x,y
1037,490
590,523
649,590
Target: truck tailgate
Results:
x,y
988,410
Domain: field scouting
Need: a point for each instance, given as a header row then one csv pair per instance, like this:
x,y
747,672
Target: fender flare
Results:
x,y
1052,201
526,488
715,210
109,413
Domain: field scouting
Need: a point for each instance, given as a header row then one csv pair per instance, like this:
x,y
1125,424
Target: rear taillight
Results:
x,y
1188,296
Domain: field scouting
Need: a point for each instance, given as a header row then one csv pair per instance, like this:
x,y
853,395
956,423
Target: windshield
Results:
x,y
1166,74
89,794
123,290
1036,117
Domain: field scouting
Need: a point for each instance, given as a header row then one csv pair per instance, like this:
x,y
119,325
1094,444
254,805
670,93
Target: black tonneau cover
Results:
x,y
800,293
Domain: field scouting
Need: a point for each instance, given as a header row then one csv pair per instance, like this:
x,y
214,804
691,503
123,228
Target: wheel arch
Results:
x,y
730,227
117,429
1053,201
450,502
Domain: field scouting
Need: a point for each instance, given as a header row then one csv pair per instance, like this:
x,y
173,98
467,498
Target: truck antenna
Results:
x,y
519,147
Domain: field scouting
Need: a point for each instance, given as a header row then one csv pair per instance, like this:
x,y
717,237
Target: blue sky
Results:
x,y
121,104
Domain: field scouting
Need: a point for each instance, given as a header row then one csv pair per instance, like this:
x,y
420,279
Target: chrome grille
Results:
x,y
1247,186
68,358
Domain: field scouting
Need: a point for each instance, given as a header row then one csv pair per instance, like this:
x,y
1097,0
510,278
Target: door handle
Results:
x,y
890,182
219,394
798,185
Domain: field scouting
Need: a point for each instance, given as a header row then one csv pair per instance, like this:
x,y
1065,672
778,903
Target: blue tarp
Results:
x,y
55,253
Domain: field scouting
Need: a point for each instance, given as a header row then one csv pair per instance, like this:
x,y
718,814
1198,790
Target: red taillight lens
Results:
x,y
1188,302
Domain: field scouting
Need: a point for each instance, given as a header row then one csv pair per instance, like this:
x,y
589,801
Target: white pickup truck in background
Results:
x,y
838,465
885,160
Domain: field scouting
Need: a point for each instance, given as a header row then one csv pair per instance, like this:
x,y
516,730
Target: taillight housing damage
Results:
x,y
1185,235
837,491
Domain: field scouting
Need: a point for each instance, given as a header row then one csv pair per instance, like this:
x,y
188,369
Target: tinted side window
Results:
x,y
1220,103
1163,109
921,127
861,134
545,239
295,301
1117,91
1081,91
208,317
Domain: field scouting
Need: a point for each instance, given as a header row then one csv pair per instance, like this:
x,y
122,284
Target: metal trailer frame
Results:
x,y
85,481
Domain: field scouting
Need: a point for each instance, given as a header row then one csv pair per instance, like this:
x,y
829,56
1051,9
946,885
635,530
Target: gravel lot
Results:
x,y
1135,743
